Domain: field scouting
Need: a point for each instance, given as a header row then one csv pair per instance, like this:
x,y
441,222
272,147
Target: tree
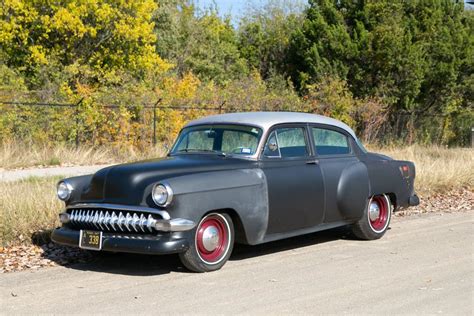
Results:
x,y
415,55
264,35
201,42
322,46
92,41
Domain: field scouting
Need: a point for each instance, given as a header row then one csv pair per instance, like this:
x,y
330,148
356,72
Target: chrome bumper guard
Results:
x,y
174,225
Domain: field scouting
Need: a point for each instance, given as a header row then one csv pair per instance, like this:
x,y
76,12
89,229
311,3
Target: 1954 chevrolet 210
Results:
x,y
244,177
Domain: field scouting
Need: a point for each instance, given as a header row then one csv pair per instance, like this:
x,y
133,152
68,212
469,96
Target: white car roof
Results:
x,y
266,120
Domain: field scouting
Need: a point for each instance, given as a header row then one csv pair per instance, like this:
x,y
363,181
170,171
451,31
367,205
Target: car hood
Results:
x,y
130,184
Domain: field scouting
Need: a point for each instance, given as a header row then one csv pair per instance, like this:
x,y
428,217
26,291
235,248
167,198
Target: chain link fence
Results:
x,y
148,124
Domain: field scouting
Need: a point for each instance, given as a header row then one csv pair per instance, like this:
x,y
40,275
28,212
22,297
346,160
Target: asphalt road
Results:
x,y
423,265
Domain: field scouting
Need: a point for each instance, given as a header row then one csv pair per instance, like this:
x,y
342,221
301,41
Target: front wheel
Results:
x,y
212,245
374,223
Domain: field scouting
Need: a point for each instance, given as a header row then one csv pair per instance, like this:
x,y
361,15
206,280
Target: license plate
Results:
x,y
90,240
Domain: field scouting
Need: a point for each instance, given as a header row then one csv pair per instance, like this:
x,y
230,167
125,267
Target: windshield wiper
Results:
x,y
187,150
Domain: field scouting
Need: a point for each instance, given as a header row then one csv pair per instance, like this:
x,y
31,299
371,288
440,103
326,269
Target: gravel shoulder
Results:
x,y
423,265
15,175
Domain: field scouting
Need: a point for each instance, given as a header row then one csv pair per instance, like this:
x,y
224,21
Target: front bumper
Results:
x,y
166,243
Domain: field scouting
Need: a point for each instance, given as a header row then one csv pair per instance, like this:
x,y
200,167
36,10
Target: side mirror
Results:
x,y
272,145
271,148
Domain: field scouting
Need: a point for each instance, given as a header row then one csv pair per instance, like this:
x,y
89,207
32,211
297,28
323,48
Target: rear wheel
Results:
x,y
376,219
213,244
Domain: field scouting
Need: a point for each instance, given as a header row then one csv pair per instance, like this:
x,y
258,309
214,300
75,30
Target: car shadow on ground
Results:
x,y
242,252
147,265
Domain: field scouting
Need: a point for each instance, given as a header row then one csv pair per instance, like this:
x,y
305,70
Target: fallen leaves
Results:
x,y
23,257
448,202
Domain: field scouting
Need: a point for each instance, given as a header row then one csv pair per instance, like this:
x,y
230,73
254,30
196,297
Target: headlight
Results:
x,y
64,190
162,194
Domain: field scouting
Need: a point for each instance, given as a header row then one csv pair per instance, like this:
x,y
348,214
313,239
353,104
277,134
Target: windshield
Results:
x,y
228,139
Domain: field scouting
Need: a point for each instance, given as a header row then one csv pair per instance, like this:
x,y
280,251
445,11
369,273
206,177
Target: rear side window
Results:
x,y
329,142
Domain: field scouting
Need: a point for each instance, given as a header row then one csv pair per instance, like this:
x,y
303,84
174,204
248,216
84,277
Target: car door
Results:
x,y
334,153
295,184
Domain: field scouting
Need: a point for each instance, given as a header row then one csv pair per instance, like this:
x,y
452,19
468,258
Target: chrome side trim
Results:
x,y
118,207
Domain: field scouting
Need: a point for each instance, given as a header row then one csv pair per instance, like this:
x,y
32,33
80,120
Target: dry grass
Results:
x,y
438,169
26,207
30,205
15,155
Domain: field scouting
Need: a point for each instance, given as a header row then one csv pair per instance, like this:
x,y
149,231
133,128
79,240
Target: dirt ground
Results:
x,y
424,264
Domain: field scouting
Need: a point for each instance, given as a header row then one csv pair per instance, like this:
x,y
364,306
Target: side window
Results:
x,y
329,142
287,142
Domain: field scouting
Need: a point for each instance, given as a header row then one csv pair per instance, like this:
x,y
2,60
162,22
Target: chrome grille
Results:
x,y
112,220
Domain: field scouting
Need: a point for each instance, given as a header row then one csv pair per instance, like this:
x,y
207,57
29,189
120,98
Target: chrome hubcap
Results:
x,y
374,211
210,238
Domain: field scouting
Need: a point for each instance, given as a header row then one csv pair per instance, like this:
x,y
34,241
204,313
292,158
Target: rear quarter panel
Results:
x,y
385,177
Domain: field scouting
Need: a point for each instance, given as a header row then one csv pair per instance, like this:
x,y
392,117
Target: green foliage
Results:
x,y
203,43
89,41
264,35
398,69
415,55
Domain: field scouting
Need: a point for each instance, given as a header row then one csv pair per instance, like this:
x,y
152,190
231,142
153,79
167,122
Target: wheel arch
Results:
x,y
242,193
239,229
393,199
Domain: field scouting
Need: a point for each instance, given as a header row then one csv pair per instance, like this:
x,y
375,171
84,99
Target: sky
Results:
x,y
236,7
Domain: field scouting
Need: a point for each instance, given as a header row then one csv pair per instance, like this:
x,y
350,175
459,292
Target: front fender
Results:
x,y
242,190
79,184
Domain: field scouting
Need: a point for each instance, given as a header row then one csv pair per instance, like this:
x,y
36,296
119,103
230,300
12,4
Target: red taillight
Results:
x,y
405,170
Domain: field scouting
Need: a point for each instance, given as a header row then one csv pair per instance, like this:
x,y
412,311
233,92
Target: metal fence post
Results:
x,y
221,106
472,137
154,121
77,121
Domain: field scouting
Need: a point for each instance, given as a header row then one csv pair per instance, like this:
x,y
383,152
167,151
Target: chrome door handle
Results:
x,y
312,162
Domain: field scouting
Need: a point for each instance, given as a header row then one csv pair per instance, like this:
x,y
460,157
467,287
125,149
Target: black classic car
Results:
x,y
236,178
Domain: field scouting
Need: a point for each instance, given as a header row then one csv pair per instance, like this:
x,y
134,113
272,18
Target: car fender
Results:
x,y
385,177
79,184
353,191
242,190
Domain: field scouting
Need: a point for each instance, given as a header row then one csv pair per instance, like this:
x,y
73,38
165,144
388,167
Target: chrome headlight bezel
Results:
x,y
64,187
162,194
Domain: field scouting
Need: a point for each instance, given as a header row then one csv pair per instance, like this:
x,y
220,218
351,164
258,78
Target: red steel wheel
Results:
x,y
375,220
378,213
213,238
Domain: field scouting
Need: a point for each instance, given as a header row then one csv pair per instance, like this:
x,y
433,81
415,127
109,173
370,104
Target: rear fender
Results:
x,y
386,178
353,191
